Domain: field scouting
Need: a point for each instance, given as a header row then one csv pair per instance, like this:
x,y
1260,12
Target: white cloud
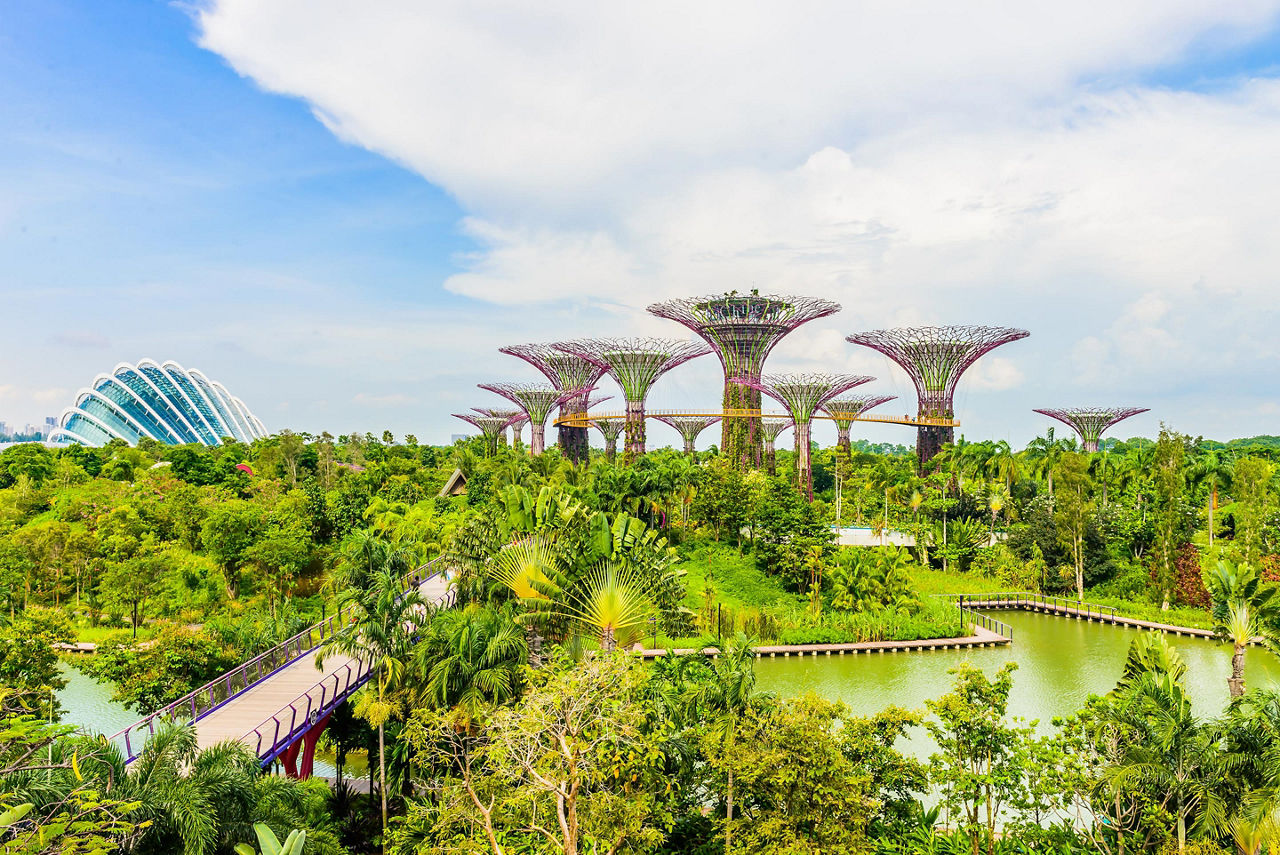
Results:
x,y
949,163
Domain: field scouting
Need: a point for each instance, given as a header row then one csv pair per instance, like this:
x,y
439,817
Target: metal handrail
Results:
x,y
999,627
221,689
306,709
1026,600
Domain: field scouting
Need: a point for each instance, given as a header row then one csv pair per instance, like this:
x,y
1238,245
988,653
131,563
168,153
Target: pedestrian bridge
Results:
x,y
278,703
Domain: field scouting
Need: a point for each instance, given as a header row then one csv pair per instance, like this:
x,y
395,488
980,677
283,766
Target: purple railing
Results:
x,y
223,688
273,736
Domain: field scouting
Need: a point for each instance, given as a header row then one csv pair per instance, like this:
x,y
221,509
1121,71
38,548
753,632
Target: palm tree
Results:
x,y
997,497
1043,453
723,701
611,602
1004,464
470,660
1243,609
384,620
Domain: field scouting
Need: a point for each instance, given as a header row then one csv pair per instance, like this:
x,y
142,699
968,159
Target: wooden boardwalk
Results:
x,y
1085,613
981,637
239,717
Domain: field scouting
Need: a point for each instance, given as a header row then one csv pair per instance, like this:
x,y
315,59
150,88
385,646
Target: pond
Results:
x,y
1060,663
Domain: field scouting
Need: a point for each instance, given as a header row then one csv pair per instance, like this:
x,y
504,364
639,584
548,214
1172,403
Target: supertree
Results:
x,y
743,329
771,428
935,358
845,411
802,395
1090,422
565,371
635,364
490,426
610,429
536,400
516,419
689,428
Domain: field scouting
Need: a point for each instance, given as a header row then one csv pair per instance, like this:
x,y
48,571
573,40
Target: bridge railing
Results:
x,y
244,676
277,733
1025,600
999,627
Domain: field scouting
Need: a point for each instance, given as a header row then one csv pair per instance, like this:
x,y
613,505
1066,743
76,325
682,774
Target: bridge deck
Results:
x,y
239,716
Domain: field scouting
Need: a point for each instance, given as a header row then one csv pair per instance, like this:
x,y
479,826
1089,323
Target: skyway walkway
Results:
x,y
277,703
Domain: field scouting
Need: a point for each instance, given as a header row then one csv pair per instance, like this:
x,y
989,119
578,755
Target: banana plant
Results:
x,y
269,844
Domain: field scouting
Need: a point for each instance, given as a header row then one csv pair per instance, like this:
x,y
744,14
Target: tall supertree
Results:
x,y
935,358
771,428
610,429
845,411
636,364
802,395
743,329
516,419
490,426
689,428
565,371
536,400
1090,422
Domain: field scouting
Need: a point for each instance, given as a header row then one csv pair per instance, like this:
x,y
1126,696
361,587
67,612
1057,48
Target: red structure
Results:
x,y
565,371
935,358
802,395
1091,422
491,427
771,428
845,412
743,329
536,400
689,428
636,364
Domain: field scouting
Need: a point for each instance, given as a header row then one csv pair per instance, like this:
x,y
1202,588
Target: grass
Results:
x,y
737,581
99,634
1178,616
932,582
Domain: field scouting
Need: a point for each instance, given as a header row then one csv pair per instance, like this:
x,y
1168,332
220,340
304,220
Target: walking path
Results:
x,y
981,637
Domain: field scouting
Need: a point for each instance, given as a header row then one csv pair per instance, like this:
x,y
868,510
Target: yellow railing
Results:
x,y
585,420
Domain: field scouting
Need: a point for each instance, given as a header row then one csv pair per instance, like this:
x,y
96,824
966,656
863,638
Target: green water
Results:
x,y
1060,663
87,704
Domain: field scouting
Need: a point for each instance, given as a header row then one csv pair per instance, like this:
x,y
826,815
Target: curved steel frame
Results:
x,y
1091,422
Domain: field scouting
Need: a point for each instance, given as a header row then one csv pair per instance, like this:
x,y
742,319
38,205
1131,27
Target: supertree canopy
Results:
x,y
490,426
845,411
743,329
935,358
636,364
771,428
536,399
610,429
689,428
802,395
516,419
565,371
1090,422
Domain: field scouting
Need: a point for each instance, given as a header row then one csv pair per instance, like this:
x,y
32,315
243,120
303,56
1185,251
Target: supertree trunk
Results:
x,y
843,445
741,439
634,431
929,441
537,438
611,450
770,458
804,474
574,442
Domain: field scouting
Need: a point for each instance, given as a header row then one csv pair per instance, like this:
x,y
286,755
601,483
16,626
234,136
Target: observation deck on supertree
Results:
x,y
610,429
689,428
516,420
490,426
1091,422
771,428
536,400
636,364
935,358
802,395
845,411
565,371
743,329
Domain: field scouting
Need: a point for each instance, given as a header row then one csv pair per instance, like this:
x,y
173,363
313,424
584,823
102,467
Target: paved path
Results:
x,y
981,638
237,718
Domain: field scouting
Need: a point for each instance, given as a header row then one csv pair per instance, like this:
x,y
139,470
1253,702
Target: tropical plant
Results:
x,y
269,844
469,661
1244,609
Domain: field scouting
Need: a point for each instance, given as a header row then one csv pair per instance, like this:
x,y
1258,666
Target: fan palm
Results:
x,y
611,603
384,620
1244,609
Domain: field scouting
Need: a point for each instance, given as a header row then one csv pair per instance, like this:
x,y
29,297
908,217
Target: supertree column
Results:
x,y
536,400
935,358
610,429
491,427
565,371
802,395
689,428
845,411
1090,422
636,364
516,419
771,428
743,329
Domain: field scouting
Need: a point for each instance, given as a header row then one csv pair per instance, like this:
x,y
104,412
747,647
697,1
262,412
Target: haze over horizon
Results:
x,y
341,210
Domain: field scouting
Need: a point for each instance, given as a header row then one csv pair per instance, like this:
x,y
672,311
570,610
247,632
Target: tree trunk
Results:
x,y
608,641
1235,683
728,815
382,780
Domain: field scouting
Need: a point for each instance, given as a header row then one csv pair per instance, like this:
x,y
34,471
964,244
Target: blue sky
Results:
x,y
340,209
